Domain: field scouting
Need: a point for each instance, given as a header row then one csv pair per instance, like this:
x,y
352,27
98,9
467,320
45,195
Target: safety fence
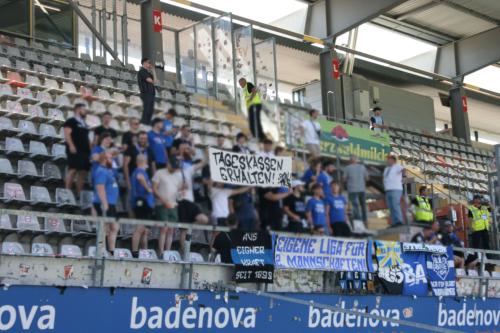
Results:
x,y
269,261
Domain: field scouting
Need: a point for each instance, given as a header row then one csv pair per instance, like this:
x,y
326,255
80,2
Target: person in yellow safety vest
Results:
x,y
254,107
423,207
480,219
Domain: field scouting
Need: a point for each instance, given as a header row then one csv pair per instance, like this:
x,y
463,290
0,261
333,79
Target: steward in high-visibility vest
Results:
x,y
480,217
423,207
254,107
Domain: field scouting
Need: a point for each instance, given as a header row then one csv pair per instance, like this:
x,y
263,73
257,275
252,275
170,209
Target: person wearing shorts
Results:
x,y
167,182
142,202
76,135
106,194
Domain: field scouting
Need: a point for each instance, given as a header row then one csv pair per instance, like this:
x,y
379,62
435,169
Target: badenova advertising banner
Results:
x,y
369,146
250,169
48,309
322,253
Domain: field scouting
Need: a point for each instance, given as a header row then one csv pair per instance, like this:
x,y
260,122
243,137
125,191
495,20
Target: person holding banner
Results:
x,y
241,144
317,212
254,107
270,212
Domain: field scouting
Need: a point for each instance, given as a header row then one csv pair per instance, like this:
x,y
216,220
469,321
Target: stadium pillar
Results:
x,y
151,35
459,115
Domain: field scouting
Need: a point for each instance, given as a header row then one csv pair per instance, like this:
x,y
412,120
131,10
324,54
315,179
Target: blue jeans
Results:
x,y
357,200
393,200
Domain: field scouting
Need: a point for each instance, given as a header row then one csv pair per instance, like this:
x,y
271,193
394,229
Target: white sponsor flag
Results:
x,y
250,170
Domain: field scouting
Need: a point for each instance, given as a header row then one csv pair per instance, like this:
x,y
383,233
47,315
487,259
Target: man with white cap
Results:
x,y
295,207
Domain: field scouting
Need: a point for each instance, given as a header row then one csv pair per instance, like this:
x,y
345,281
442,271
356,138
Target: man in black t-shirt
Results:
x,y
270,212
105,127
146,82
295,207
130,155
223,240
76,134
130,137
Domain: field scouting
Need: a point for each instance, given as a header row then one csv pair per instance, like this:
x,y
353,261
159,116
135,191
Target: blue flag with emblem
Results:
x,y
441,270
415,275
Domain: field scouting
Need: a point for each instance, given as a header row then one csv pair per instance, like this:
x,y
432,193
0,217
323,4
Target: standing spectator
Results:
x,y
146,82
142,198
393,185
480,219
254,107
168,128
330,169
205,171
102,146
377,121
267,148
338,212
219,195
241,144
167,183
106,194
185,139
270,212
315,174
423,212
105,127
130,137
76,134
187,209
139,147
312,133
355,177
156,143
242,205
294,207
317,211
222,243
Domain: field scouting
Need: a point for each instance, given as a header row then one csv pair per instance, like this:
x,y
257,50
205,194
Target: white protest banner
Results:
x,y
421,247
322,253
250,170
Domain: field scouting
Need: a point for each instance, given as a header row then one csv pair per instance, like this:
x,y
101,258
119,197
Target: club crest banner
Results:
x,y
322,253
441,270
415,274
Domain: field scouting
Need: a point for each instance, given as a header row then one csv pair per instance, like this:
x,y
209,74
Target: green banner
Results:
x,y
369,146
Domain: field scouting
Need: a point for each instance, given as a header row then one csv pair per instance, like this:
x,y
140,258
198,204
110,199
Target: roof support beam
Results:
x,y
331,18
468,55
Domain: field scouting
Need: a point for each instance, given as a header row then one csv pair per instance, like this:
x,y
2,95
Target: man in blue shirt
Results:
x,y
142,201
315,174
317,211
157,146
103,144
338,214
168,127
106,195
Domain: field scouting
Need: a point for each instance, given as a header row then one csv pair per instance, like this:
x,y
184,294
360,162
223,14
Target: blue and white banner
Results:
x,y
79,310
415,276
322,253
252,254
390,264
441,270
422,247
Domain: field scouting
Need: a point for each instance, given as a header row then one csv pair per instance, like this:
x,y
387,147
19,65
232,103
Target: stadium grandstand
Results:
x,y
287,164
